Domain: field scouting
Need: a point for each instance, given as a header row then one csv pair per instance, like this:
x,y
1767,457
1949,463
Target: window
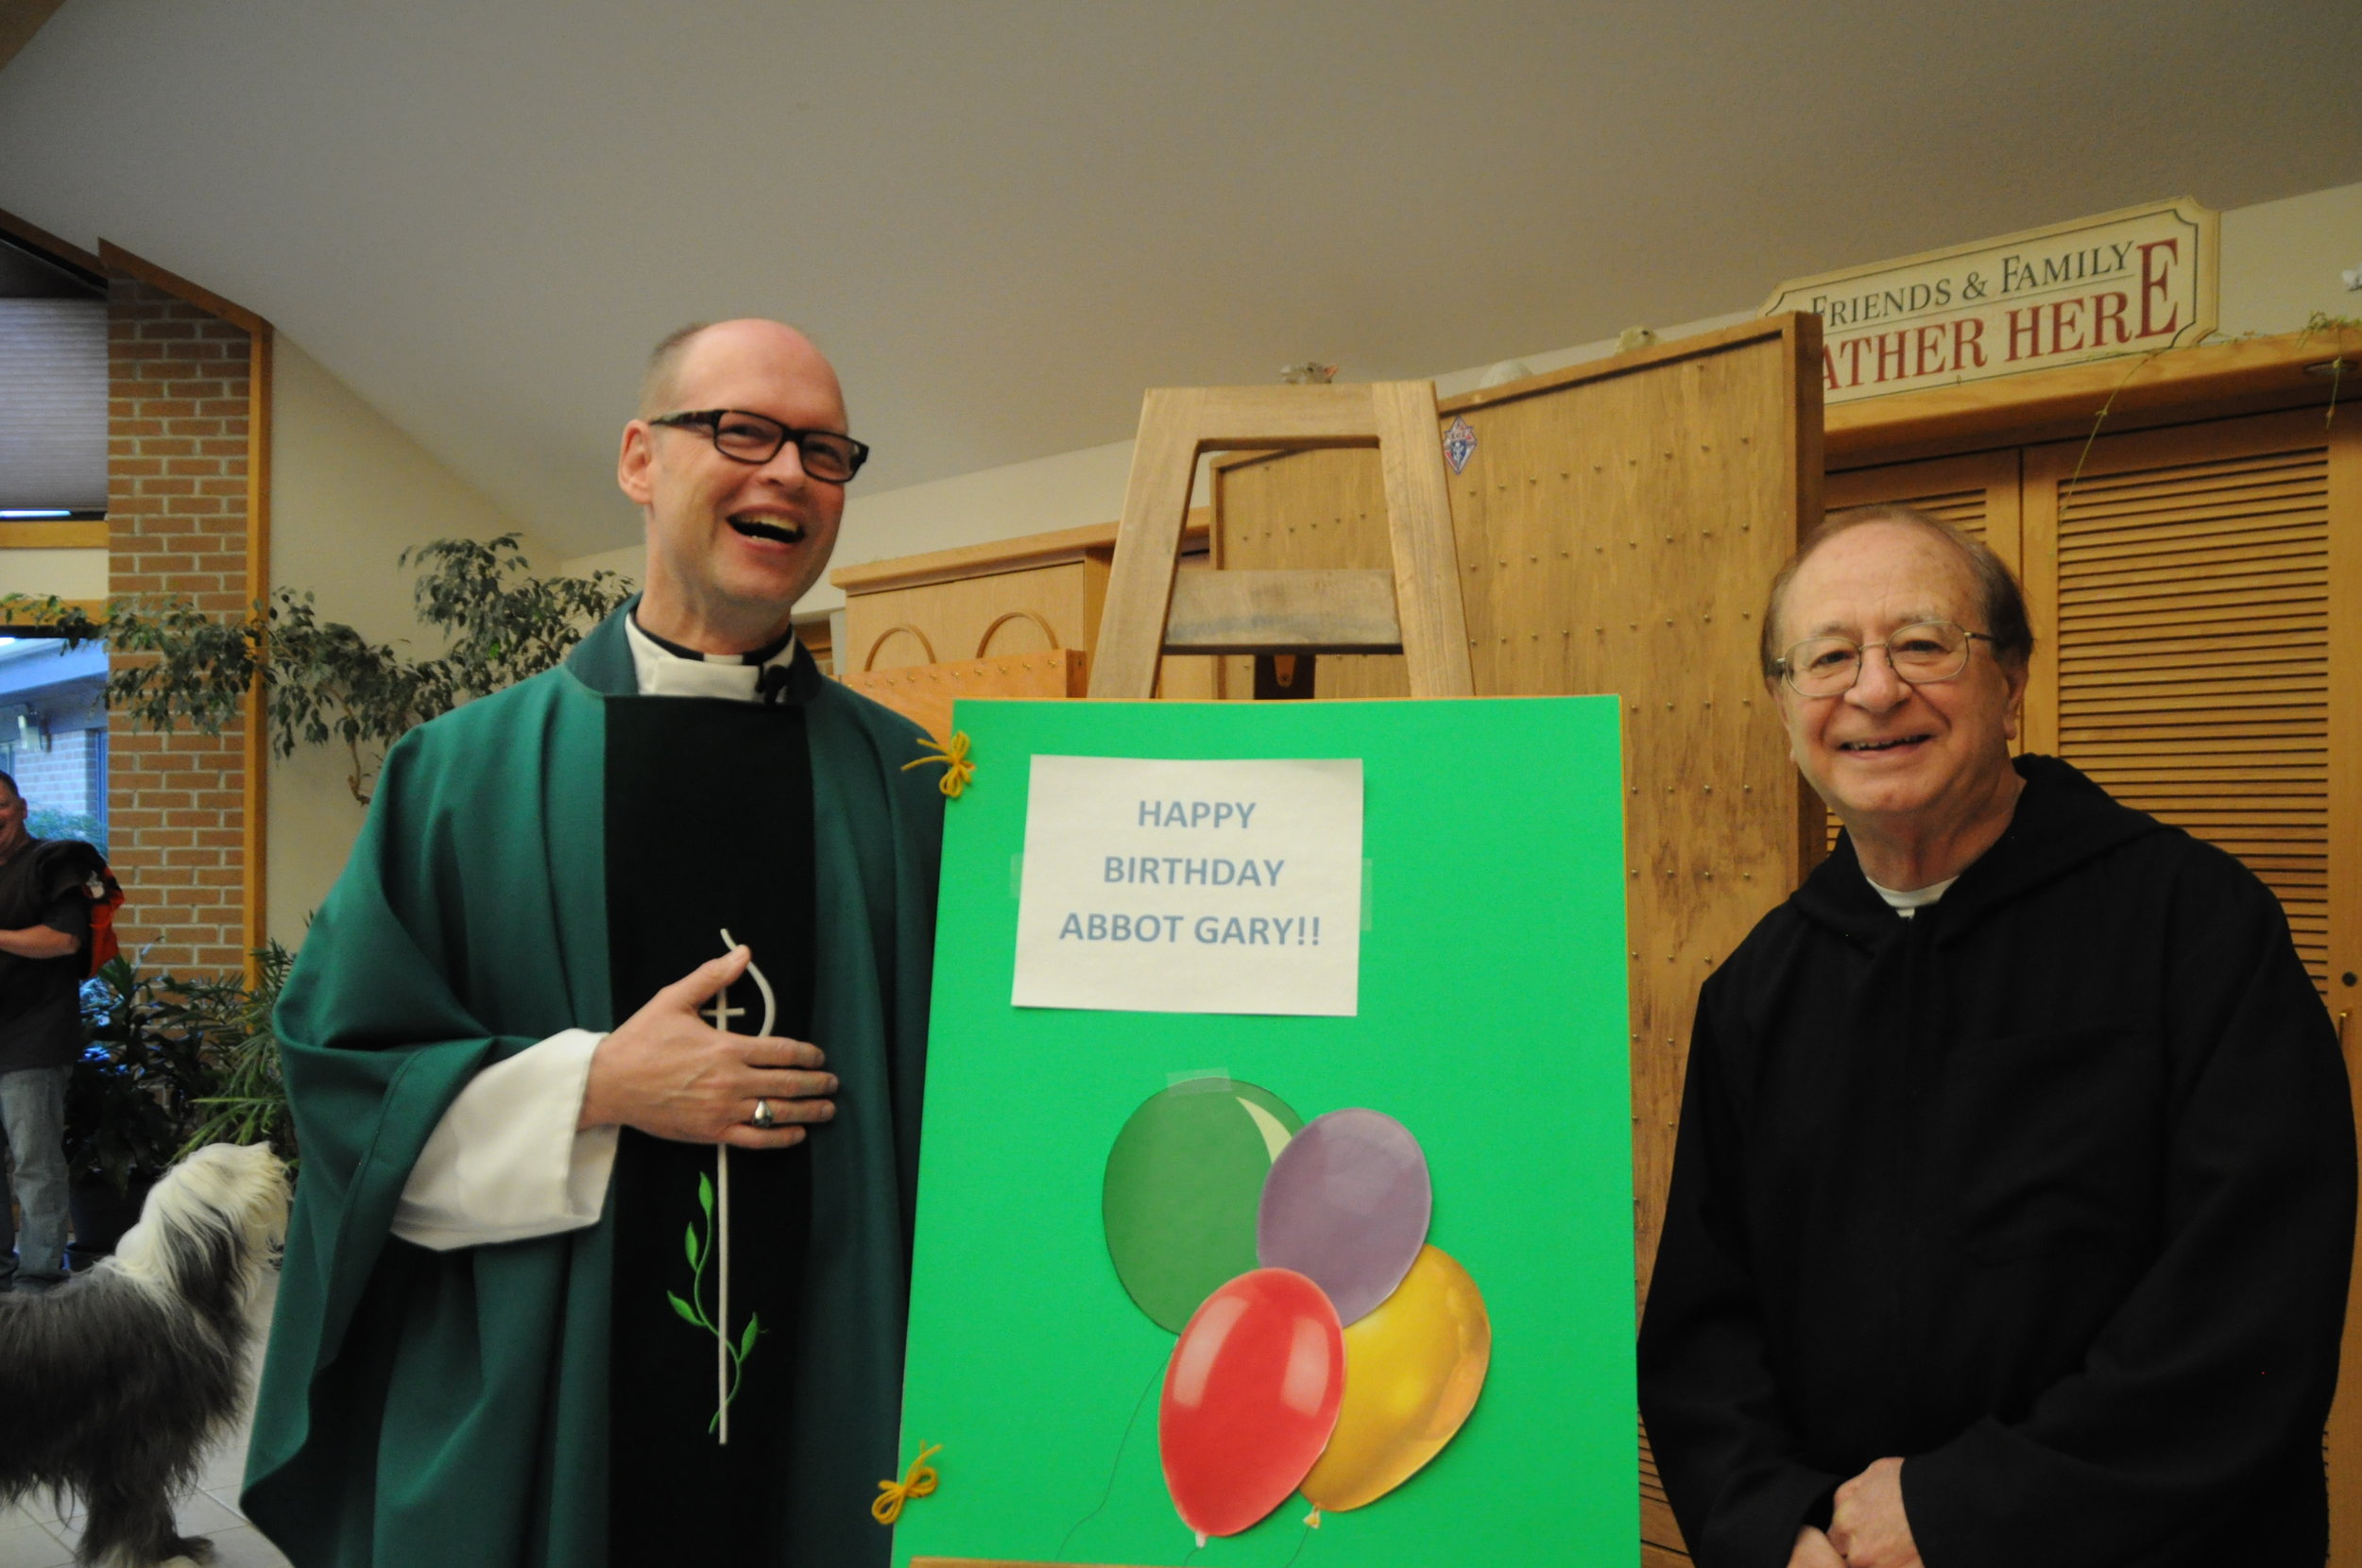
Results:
x,y
53,387
53,733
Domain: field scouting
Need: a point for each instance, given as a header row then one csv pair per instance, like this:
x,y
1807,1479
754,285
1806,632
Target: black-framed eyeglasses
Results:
x,y
757,438
1921,653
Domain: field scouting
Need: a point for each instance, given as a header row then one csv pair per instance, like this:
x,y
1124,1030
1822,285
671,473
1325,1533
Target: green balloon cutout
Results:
x,y
1182,1180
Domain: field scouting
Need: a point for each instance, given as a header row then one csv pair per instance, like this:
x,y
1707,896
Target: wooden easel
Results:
x,y
1414,610
1153,608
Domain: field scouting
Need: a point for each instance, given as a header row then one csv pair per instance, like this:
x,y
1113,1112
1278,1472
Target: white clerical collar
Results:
x,y
660,671
1909,901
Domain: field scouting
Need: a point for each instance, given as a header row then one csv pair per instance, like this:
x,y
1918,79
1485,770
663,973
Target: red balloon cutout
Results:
x,y
1251,1397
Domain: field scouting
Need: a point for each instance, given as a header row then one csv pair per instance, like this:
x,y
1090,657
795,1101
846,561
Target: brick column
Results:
x,y
180,397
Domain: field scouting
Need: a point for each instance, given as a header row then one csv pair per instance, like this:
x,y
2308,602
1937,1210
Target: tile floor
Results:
x,y
33,1536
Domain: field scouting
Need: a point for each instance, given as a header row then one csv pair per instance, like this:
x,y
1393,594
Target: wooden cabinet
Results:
x,y
1014,618
2183,577
1011,596
1005,612
2196,624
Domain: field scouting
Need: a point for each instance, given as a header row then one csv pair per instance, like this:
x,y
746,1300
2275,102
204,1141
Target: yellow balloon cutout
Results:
x,y
1413,1367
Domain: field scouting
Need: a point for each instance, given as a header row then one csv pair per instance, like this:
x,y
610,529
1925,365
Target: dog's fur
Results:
x,y
112,1385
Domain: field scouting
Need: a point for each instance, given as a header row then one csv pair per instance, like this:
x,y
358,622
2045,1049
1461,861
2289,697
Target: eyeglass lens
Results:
x,y
752,438
1929,651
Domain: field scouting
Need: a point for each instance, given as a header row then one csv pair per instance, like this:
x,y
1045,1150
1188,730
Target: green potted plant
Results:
x,y
249,1101
172,1064
133,1098
323,682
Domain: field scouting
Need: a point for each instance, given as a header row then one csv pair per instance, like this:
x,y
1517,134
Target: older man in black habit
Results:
x,y
2014,1192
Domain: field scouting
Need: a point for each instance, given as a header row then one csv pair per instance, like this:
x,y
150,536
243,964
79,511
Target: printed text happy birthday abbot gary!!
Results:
x,y
1174,911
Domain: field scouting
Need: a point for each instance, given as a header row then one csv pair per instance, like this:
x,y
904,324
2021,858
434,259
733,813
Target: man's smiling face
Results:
x,y
732,545
1886,750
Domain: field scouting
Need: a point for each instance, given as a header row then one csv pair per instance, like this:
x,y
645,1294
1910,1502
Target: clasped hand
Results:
x,y
1868,1528
668,1072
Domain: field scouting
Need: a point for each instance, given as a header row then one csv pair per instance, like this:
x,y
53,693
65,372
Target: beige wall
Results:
x,y
349,493
68,574
2281,260
626,560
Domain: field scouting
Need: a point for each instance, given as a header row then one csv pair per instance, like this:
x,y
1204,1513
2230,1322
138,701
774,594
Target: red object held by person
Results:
x,y
106,897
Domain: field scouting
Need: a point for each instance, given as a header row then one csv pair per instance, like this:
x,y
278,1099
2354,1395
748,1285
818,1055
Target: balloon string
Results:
x,y
1115,1469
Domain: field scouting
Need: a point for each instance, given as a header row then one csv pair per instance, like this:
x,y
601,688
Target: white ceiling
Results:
x,y
1004,220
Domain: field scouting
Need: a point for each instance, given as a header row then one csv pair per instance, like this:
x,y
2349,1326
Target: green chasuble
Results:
x,y
451,1408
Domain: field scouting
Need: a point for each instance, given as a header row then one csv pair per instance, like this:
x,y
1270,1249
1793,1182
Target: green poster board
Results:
x,y
1491,1023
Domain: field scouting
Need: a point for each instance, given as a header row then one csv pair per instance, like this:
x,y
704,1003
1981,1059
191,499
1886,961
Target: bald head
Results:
x,y
736,342
735,537
2000,600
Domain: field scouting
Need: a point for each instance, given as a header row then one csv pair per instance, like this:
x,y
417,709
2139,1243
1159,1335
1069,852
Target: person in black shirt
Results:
x,y
2013,1197
44,923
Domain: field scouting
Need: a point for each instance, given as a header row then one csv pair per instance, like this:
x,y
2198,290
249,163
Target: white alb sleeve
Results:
x,y
505,1162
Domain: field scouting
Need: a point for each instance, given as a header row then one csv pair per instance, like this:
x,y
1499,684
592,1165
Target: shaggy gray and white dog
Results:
x,y
112,1385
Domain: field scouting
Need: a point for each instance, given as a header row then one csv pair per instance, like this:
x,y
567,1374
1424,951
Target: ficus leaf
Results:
x,y
500,622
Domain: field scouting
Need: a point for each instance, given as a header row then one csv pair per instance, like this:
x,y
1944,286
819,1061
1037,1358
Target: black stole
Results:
x,y
709,827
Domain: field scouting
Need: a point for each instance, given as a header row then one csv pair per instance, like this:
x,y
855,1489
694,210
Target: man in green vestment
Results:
x,y
529,1065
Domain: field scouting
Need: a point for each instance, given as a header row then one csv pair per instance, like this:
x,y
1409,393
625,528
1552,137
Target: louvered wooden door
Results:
x,y
2179,589
2198,600
1978,493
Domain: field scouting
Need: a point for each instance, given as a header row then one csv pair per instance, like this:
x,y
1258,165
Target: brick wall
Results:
x,y
177,404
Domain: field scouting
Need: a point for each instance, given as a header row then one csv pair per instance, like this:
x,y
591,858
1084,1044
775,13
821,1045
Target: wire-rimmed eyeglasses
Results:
x,y
1921,653
757,438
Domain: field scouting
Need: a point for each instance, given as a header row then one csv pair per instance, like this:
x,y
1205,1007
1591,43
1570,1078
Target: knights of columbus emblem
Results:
x,y
1459,443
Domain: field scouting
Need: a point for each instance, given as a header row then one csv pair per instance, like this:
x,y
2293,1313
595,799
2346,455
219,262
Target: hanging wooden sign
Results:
x,y
2124,282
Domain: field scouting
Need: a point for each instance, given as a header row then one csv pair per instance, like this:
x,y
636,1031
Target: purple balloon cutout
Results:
x,y
1346,1205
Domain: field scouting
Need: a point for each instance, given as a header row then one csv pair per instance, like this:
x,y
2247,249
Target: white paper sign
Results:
x,y
1153,886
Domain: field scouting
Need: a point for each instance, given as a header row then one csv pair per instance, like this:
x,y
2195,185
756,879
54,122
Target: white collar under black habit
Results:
x,y
666,669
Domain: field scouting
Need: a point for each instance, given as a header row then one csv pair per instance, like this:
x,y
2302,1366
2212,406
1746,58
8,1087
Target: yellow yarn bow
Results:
x,y
917,1482
957,769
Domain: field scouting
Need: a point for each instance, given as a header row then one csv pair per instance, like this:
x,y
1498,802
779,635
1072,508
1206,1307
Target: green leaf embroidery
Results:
x,y
700,1249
